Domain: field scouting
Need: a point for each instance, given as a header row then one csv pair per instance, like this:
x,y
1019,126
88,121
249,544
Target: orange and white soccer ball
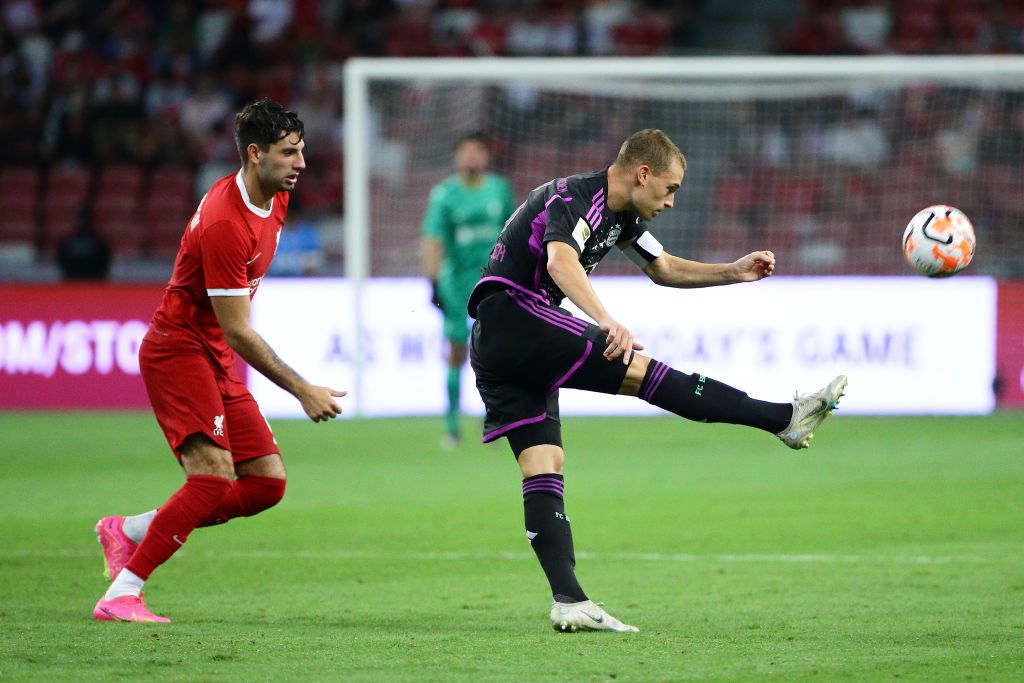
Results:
x,y
939,241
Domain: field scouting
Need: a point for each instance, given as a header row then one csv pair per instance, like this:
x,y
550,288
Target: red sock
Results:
x,y
247,497
175,519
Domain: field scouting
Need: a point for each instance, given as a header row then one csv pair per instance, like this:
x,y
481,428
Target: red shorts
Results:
x,y
190,396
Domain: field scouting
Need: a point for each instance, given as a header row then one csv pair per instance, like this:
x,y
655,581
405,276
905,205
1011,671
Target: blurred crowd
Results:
x,y
146,85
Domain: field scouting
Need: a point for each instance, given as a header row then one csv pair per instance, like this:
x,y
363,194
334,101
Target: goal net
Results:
x,y
822,160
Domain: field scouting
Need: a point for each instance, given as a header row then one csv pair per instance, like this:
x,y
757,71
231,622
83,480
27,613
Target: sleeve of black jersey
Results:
x,y
564,224
641,246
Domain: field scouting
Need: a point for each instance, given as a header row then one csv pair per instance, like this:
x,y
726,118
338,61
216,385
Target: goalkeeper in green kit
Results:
x,y
465,213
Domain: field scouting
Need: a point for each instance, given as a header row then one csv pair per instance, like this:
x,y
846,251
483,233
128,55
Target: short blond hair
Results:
x,y
652,147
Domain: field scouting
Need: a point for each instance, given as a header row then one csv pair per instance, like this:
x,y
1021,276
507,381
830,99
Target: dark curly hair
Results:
x,y
264,122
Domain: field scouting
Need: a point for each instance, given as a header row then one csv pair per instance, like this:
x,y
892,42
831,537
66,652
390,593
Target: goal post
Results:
x,y
823,159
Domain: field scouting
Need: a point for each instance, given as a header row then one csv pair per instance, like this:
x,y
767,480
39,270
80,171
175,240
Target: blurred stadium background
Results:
x,y
892,548
118,117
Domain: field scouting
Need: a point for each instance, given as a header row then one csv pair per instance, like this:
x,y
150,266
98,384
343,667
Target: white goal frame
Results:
x,y
1006,71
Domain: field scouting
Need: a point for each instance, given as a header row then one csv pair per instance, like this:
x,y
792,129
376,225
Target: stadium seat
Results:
x,y
488,37
178,181
18,222
794,195
116,217
917,30
409,38
67,184
123,179
1002,188
164,217
25,178
639,38
735,193
58,219
63,200
720,237
588,158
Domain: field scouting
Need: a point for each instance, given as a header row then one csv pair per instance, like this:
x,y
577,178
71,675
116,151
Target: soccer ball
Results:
x,y
939,241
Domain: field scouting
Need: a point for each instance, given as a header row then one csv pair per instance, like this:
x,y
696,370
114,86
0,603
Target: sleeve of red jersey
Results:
x,y
225,248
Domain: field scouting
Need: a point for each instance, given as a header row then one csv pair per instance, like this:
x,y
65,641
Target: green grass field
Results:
x,y
894,548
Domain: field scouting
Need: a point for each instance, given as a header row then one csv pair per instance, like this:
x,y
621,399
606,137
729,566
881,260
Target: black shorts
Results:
x,y
523,350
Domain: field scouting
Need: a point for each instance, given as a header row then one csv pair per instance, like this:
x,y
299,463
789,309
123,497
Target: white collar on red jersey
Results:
x,y
262,213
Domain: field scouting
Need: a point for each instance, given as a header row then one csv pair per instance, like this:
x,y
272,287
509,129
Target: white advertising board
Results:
x,y
909,345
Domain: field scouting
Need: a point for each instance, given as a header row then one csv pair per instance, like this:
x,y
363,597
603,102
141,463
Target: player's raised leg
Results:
x,y
703,399
809,411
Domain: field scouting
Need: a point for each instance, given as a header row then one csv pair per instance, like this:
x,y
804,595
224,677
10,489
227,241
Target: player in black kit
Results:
x,y
524,347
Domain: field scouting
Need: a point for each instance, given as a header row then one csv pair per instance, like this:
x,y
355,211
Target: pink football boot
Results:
x,y
127,608
117,547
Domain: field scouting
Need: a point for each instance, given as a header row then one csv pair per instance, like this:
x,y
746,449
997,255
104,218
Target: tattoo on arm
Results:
x,y
255,351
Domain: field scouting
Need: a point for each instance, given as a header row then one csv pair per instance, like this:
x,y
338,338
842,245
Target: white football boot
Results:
x,y
810,411
569,617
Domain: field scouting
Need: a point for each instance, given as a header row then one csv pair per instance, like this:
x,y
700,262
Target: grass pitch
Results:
x,y
894,548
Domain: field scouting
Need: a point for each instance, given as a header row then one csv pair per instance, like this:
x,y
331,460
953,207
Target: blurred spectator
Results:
x,y
204,111
270,19
299,251
600,17
157,83
866,26
320,108
82,254
857,141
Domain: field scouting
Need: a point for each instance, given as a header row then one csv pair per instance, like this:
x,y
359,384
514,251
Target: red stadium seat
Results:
x,y
120,179
639,38
116,217
918,30
17,222
67,184
25,178
58,219
588,158
735,193
165,217
794,195
409,38
173,180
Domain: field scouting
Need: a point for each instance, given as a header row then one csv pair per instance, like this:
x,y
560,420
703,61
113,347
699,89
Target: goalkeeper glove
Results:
x,y
435,295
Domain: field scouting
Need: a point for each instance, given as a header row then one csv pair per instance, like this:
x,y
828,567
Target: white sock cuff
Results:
x,y
126,583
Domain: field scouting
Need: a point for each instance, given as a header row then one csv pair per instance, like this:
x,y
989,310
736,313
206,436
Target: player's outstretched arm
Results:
x,y
671,271
233,316
565,269
431,253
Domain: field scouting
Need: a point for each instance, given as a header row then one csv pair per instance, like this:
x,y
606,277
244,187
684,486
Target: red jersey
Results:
x,y
226,250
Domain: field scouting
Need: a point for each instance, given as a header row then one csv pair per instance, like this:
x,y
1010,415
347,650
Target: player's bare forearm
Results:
x,y
233,316
565,269
255,351
431,253
671,271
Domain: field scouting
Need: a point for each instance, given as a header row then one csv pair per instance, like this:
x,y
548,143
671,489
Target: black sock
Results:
x,y
547,527
703,399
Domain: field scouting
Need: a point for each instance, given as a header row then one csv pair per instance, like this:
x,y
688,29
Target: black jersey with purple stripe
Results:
x,y
573,210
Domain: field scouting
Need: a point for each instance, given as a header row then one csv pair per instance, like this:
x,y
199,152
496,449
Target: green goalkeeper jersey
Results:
x,y
466,220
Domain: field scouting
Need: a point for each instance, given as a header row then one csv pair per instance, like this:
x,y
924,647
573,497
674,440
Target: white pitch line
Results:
x,y
456,556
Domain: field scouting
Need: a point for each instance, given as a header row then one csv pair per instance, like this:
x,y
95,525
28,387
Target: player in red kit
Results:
x,y
232,464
